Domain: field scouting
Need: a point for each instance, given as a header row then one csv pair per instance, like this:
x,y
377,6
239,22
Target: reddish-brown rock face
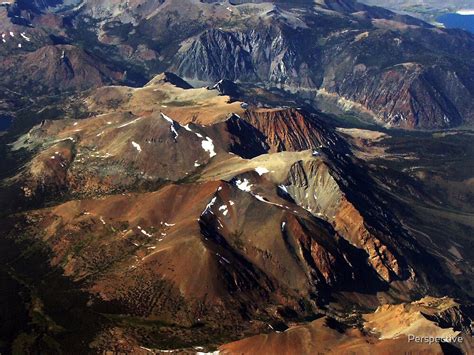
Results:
x,y
197,246
291,129
350,223
285,129
312,185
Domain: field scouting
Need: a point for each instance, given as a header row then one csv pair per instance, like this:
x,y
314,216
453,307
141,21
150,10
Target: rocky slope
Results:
x,y
187,220
383,331
56,68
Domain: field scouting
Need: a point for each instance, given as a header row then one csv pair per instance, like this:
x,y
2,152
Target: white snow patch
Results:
x,y
263,199
224,210
260,170
208,146
102,220
147,234
170,120
172,125
187,128
25,36
147,349
137,146
196,164
244,185
209,205
283,226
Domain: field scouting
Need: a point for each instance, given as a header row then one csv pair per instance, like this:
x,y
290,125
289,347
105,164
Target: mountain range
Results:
x,y
393,69
234,176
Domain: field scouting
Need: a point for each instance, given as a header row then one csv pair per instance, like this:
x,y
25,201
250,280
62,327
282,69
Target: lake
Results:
x,y
465,22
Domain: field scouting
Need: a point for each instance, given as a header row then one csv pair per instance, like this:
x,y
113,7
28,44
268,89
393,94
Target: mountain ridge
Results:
x,y
268,206
256,43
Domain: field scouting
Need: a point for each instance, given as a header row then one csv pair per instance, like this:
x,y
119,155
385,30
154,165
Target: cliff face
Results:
x,y
289,130
264,54
403,88
397,87
312,187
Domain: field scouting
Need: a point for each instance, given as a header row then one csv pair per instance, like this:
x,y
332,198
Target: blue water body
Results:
x,y
5,123
465,22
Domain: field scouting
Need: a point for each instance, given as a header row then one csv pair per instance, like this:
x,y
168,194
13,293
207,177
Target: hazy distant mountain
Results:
x,y
427,9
